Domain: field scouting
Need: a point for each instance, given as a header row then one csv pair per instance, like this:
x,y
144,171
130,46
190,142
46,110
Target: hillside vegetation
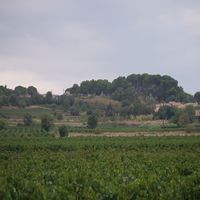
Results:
x,y
43,154
124,97
133,87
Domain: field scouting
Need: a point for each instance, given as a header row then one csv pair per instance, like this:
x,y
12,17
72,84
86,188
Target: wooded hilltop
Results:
x,y
132,95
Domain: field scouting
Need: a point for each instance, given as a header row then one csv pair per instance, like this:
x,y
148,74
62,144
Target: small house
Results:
x,y
197,114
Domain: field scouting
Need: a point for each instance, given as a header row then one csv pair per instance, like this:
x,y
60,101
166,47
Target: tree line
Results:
x,y
161,88
22,96
137,94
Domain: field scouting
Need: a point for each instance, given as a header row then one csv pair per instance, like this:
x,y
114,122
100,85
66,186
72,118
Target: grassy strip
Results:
x,y
128,129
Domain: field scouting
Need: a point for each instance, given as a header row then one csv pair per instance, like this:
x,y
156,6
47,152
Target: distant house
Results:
x,y
171,104
55,97
197,114
67,93
178,105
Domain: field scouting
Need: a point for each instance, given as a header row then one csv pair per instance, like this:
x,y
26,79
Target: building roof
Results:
x,y
197,113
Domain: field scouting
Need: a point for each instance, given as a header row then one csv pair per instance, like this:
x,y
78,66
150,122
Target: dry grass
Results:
x,y
98,100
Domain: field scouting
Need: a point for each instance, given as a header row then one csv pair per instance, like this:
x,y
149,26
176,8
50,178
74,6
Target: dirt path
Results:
x,y
124,134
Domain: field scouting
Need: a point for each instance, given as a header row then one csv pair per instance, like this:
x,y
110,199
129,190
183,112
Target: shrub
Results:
x,y
63,131
46,122
28,119
183,119
2,124
189,129
92,121
166,112
59,116
74,111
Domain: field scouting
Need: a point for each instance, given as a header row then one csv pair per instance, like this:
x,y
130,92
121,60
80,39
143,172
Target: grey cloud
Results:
x,y
69,41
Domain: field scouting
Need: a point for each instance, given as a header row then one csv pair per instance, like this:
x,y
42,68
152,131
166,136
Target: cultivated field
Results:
x,y
37,166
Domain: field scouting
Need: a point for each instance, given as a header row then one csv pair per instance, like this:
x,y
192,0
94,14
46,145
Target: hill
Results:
x,y
134,87
134,95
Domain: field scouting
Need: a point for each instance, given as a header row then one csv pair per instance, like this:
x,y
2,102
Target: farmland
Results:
x,y
106,163
39,166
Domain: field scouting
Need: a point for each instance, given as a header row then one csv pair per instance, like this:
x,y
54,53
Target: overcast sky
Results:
x,y
52,44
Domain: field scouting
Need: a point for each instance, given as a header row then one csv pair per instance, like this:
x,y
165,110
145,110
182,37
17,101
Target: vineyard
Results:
x,y
21,131
98,167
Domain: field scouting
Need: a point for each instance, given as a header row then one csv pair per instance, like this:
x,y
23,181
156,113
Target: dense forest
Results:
x,y
161,88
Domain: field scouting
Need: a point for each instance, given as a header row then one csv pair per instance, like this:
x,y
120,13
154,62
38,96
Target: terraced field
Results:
x,y
15,112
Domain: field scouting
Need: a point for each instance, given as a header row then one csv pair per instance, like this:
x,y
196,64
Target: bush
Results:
x,y
183,119
74,111
46,122
2,124
189,128
28,119
59,116
63,131
166,112
197,97
191,113
92,121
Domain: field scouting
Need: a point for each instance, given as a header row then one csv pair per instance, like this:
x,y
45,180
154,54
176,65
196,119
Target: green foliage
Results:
x,y
60,116
121,94
21,96
23,131
32,91
46,122
63,131
109,112
135,108
4,101
191,113
74,111
20,112
183,119
67,102
92,121
120,82
13,100
197,97
48,98
2,124
161,88
166,112
28,121
100,168
20,90
22,103
36,99
94,87
148,89
75,89
4,91
124,128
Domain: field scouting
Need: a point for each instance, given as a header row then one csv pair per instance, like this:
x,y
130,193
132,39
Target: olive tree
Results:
x,y
63,131
92,121
28,119
46,122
